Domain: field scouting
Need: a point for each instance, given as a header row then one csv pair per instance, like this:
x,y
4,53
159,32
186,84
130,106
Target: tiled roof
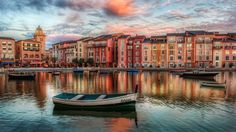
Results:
x,y
124,36
7,38
175,34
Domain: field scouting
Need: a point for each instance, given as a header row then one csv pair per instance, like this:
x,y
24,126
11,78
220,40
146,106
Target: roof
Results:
x,y
199,32
7,38
124,36
147,40
29,40
175,34
224,40
103,37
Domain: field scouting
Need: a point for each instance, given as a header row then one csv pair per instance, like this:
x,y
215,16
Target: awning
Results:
x,y
7,63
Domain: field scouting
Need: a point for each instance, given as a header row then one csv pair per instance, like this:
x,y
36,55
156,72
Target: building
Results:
x,y
176,50
146,53
7,51
122,52
71,51
135,51
203,48
159,51
82,50
30,52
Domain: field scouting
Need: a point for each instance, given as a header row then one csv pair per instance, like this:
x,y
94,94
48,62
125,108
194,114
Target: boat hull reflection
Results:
x,y
111,114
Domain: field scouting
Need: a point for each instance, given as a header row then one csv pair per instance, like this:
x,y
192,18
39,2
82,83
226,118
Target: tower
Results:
x,y
40,36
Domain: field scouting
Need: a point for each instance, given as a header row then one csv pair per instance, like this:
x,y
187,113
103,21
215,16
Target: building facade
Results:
x,y
7,51
30,52
122,52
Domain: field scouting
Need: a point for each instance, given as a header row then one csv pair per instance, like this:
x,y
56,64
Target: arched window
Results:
x,y
25,55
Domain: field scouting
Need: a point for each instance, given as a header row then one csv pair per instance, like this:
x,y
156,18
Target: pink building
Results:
x,y
123,51
135,51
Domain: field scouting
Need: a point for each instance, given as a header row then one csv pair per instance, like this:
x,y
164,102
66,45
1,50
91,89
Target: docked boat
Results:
x,y
213,84
105,72
133,70
199,74
96,102
76,70
56,73
21,76
177,72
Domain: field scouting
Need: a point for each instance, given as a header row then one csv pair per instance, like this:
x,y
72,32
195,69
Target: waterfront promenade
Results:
x,y
38,69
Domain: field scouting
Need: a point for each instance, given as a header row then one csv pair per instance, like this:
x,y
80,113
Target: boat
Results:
x,y
177,72
96,102
76,70
213,84
133,70
199,74
56,73
105,72
22,76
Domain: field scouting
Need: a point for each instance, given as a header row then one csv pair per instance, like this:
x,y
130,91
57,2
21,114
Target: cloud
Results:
x,y
121,8
78,4
55,38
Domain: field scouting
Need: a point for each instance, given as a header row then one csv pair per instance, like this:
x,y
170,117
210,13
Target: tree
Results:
x,y
90,61
81,61
75,60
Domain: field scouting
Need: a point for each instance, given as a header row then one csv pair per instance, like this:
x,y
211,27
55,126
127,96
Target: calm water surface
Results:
x,y
166,103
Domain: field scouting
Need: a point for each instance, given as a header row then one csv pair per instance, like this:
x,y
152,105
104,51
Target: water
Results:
x,y
166,103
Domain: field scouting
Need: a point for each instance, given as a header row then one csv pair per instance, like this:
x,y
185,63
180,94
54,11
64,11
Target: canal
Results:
x,y
166,103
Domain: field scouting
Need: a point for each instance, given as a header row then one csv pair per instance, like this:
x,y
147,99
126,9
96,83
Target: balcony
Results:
x,y
228,47
217,47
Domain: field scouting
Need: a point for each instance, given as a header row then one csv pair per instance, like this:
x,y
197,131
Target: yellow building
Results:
x,y
30,52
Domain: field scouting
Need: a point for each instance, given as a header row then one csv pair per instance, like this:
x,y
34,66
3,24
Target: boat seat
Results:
x,y
77,97
101,97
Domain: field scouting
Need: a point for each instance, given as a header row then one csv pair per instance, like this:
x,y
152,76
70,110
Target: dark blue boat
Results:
x,y
76,70
133,70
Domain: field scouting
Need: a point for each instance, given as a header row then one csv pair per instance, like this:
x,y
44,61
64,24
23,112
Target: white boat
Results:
x,y
213,84
96,102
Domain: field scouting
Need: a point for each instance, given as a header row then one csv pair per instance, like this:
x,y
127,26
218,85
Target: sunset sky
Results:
x,y
72,19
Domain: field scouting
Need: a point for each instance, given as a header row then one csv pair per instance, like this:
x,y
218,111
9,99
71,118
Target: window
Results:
x,y
207,57
171,52
162,52
227,58
217,58
234,57
171,58
189,57
179,57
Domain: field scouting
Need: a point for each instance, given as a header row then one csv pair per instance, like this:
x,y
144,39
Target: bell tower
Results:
x,y
40,36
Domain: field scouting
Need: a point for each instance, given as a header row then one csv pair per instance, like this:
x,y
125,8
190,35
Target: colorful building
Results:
x,y
7,51
122,52
30,52
82,51
135,51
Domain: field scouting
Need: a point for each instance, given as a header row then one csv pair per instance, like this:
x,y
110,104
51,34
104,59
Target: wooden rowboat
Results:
x,y
213,84
21,76
96,102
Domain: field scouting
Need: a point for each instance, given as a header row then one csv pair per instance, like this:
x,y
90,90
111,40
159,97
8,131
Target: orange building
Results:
x,y
7,51
30,52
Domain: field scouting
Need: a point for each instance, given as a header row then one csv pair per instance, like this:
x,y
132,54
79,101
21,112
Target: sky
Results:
x,y
72,19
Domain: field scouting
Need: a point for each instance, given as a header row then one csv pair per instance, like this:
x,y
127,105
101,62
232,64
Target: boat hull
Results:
x,y
118,103
15,77
117,107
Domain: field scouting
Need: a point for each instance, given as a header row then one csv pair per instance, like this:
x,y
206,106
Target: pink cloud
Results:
x,y
54,38
121,8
